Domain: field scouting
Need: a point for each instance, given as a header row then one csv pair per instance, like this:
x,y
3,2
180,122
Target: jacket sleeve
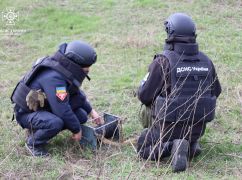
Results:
x,y
153,83
61,108
216,87
85,104
78,100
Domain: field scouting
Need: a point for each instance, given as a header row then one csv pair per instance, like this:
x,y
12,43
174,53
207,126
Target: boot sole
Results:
x,y
179,152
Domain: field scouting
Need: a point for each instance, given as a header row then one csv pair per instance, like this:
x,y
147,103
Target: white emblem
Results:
x,y
145,78
10,16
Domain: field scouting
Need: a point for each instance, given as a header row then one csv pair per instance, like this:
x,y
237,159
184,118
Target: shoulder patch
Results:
x,y
61,93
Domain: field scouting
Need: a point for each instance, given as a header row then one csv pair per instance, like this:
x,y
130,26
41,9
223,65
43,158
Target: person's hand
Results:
x,y
96,118
77,136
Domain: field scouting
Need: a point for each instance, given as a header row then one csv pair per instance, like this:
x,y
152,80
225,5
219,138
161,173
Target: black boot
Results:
x,y
195,149
179,155
37,151
167,146
147,147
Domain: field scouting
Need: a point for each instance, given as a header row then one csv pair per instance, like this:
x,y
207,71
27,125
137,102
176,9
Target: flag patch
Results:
x,y
61,93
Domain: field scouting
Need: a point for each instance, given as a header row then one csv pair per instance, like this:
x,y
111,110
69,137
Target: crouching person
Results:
x,y
179,93
48,99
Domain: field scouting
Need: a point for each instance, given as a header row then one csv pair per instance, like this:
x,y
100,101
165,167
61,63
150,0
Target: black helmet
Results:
x,y
79,52
180,24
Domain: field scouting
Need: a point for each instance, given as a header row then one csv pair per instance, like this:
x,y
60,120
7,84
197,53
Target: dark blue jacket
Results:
x,y
49,81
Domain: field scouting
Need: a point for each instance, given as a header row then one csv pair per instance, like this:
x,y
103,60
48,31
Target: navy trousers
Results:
x,y
44,125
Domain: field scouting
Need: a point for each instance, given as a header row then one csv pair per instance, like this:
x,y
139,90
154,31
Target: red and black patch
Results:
x,y
61,93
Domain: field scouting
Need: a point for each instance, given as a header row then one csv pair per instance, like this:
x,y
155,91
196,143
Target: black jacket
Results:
x,y
158,81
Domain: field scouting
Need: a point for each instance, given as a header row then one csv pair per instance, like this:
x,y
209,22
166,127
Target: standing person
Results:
x,y
48,99
179,95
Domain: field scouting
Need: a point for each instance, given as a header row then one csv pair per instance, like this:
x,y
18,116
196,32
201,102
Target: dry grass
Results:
x,y
126,35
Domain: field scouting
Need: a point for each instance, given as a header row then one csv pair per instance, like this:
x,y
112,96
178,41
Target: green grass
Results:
x,y
126,35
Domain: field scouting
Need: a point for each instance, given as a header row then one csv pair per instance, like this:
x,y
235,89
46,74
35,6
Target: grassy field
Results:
x,y
126,35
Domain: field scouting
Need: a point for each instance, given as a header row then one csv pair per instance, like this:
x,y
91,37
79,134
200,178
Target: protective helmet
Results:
x,y
80,53
180,24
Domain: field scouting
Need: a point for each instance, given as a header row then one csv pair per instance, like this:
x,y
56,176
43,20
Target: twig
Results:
x,y
129,175
109,142
232,155
112,155
211,142
204,156
132,146
239,96
6,157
